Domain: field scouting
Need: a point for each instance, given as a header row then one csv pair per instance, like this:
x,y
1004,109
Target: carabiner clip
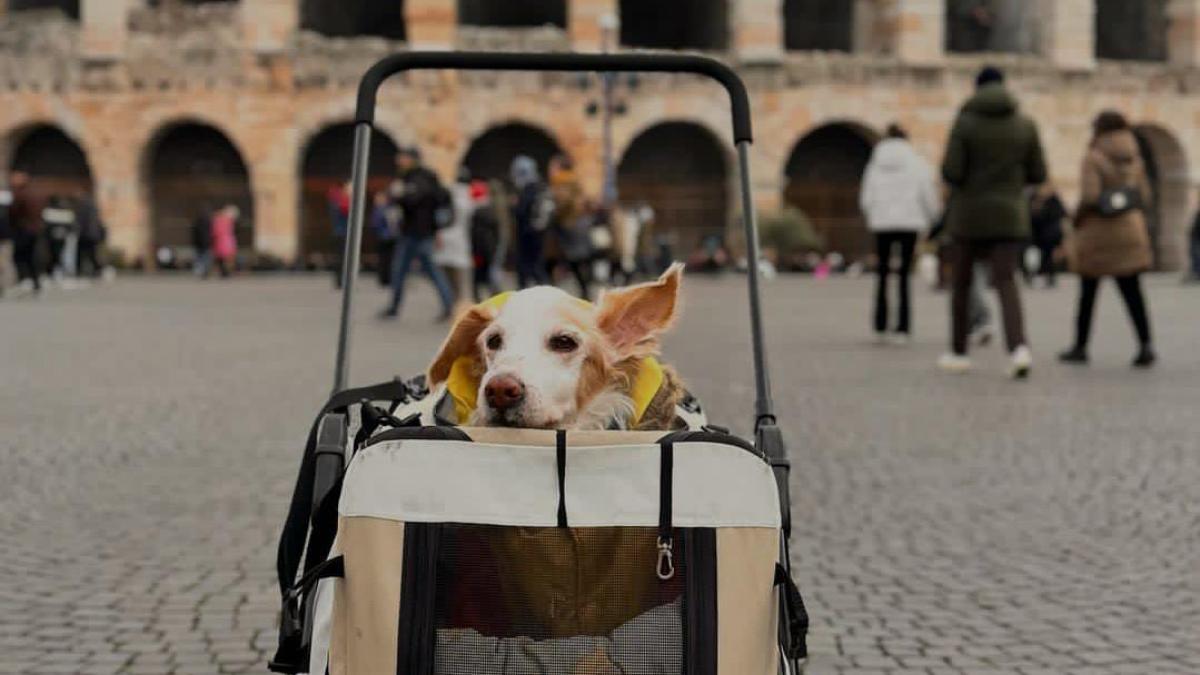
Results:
x,y
666,564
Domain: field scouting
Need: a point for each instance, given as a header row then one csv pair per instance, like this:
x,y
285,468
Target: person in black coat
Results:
x,y
1046,212
423,201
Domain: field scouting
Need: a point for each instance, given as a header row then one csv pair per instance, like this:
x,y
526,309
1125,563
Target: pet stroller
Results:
x,y
421,548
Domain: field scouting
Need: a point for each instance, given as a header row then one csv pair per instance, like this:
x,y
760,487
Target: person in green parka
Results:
x,y
993,153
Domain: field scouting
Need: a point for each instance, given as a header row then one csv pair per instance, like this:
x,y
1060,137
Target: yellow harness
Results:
x,y
463,385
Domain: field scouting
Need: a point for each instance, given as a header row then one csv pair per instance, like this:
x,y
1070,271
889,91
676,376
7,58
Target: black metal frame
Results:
x,y
768,436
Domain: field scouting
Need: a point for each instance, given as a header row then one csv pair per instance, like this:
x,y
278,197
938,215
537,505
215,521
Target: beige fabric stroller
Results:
x,y
429,549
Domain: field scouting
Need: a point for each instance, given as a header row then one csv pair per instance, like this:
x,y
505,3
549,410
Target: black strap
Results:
x,y
292,654
295,527
560,443
666,474
794,616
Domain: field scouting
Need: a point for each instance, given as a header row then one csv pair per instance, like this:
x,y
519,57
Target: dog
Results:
x,y
543,359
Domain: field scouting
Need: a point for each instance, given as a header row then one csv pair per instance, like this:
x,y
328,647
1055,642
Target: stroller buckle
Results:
x,y
665,568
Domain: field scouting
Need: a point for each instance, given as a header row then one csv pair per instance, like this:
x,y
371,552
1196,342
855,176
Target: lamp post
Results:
x,y
609,106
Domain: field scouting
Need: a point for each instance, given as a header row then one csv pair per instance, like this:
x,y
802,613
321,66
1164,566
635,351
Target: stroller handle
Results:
x,y
661,63
375,76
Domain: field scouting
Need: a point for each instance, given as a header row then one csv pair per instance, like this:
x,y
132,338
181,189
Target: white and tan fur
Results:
x,y
572,363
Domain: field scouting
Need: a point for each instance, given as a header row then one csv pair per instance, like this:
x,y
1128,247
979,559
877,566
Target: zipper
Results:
x,y
700,601
416,641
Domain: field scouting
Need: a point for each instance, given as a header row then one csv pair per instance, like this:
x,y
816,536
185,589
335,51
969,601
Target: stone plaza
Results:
x,y
152,430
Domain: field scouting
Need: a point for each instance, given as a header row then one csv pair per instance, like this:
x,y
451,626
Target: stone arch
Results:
x,y
1132,31
822,178
55,162
682,24
681,170
1010,26
190,168
491,152
68,7
1168,216
348,18
826,25
325,163
528,13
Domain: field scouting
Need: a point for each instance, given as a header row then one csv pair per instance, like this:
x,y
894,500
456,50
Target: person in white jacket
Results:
x,y
900,201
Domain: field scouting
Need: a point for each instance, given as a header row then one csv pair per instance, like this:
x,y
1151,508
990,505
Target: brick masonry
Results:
x,y
114,85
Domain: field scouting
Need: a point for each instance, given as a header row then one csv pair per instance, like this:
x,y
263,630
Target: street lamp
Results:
x,y
609,106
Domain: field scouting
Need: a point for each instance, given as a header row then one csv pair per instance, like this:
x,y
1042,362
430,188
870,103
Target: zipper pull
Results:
x,y
666,564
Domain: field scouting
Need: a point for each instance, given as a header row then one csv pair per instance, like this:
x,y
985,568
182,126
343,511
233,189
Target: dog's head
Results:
x,y
545,359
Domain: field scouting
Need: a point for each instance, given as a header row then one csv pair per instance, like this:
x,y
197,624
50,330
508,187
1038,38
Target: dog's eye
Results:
x,y
563,343
494,341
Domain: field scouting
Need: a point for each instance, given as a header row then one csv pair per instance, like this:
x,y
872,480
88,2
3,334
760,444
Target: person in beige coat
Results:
x,y
1111,238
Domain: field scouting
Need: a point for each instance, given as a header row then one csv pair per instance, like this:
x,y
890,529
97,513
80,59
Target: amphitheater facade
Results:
x,y
164,106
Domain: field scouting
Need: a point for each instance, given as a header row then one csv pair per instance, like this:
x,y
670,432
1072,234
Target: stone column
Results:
x,y
585,23
1067,37
105,28
1183,35
431,24
757,30
268,25
914,31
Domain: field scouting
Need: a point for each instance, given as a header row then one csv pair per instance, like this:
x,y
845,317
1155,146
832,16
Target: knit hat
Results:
x,y
988,75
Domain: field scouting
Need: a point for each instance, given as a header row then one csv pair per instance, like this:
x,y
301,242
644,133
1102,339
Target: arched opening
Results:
x,y
1132,31
826,25
824,173
492,152
191,169
349,18
523,13
679,169
325,165
1168,216
55,163
68,7
1010,26
681,24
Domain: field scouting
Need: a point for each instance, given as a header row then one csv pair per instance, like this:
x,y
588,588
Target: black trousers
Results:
x,y
885,241
1135,302
1003,258
25,259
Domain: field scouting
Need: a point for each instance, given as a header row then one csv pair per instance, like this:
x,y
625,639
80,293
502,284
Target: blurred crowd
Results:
x,y
51,239
465,234
996,215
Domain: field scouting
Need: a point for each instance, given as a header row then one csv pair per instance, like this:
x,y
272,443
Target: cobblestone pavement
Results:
x,y
151,433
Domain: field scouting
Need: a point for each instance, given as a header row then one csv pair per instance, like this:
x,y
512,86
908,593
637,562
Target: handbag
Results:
x,y
1118,201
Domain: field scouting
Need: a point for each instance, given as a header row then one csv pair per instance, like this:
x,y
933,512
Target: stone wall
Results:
x,y
245,69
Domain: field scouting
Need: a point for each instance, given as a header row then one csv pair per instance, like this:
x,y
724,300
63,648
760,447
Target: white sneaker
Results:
x,y
900,339
954,363
1021,363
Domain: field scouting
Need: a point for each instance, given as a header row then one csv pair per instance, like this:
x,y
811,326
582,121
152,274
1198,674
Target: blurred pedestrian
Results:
x,y
224,239
1110,237
26,223
1046,213
385,221
202,242
485,240
900,200
7,271
60,229
337,200
531,215
453,249
421,199
1193,275
92,235
993,153
571,223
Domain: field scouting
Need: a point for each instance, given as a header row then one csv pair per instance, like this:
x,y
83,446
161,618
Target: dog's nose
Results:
x,y
503,392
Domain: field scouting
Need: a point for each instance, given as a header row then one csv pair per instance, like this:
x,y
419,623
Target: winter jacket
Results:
x,y
224,237
898,192
417,193
1115,245
993,153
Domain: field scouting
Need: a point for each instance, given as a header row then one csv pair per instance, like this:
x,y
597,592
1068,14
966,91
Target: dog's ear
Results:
x,y
632,318
460,342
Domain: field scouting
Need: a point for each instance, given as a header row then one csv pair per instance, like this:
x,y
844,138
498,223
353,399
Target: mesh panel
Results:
x,y
555,600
